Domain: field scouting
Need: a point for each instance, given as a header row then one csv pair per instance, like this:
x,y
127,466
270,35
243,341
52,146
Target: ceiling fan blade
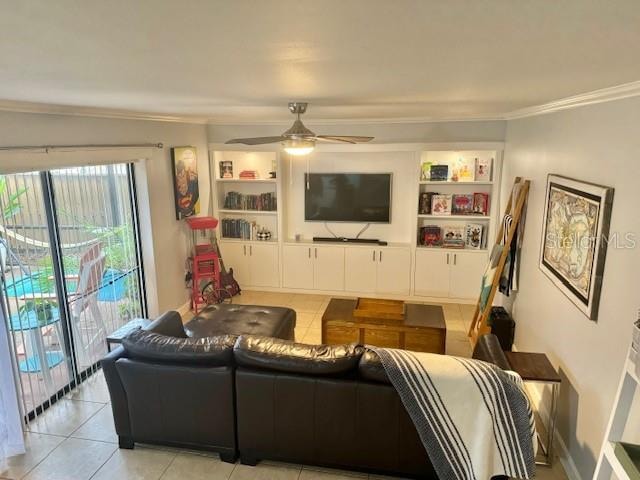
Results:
x,y
257,140
344,138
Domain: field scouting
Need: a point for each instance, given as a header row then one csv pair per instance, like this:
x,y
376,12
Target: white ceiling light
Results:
x,y
298,147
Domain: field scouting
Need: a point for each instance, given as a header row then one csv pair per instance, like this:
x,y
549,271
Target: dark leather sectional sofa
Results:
x,y
265,398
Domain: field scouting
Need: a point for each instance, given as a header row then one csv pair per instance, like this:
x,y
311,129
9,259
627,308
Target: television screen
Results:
x,y
347,197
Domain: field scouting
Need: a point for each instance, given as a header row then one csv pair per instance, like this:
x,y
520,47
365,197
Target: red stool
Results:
x,y
206,266
205,263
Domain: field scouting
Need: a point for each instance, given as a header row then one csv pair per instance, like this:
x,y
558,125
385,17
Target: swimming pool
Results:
x,y
112,288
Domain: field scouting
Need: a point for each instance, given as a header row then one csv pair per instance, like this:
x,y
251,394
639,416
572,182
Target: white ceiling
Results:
x,y
241,61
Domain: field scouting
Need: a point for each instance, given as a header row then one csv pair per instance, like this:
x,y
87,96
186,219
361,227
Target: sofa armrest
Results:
x,y
489,350
119,403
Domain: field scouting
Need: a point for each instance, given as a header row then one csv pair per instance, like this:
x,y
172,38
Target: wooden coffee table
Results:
x,y
422,328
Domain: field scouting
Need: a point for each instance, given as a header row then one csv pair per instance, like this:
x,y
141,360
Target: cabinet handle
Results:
x,y
447,259
309,252
374,256
316,252
244,247
251,250
381,255
455,258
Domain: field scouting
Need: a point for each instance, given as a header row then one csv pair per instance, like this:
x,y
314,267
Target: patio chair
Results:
x,y
84,299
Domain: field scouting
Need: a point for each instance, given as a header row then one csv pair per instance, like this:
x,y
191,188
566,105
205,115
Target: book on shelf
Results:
x,y
262,202
453,236
430,236
441,204
439,173
463,170
249,175
462,204
483,167
425,171
239,228
474,235
424,203
226,169
481,203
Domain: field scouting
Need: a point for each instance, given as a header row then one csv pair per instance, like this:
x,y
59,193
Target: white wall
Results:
x,y
599,144
163,237
402,165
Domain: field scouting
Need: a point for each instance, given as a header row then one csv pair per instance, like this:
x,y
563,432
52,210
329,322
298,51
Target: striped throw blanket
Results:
x,y
473,418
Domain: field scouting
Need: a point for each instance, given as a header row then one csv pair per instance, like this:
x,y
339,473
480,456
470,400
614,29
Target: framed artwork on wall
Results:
x,y
184,162
575,235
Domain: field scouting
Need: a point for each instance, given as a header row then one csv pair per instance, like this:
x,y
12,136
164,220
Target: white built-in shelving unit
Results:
x,y
400,269
608,462
255,262
445,272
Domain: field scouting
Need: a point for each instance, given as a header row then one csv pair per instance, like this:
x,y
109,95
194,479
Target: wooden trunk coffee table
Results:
x,y
421,328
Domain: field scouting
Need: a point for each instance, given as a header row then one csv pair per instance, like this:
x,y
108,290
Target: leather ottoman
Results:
x,y
229,319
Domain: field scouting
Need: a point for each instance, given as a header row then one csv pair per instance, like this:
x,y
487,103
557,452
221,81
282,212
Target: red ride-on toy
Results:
x,y
204,264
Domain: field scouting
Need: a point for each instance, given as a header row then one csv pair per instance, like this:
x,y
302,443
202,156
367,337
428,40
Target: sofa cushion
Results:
x,y
487,349
371,368
287,356
211,351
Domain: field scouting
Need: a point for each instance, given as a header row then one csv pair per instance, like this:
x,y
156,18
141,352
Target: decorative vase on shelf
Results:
x,y
264,234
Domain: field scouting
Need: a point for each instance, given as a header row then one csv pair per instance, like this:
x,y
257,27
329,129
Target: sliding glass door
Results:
x,y
71,272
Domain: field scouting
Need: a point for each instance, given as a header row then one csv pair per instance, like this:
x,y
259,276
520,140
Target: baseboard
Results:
x,y
560,447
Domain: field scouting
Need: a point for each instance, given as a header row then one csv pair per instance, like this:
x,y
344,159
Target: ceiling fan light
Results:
x,y
299,147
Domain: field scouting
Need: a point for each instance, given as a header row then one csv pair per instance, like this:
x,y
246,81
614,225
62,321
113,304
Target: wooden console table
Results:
x,y
422,328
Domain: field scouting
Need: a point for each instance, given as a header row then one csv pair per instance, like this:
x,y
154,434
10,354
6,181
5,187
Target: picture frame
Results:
x,y
575,234
184,164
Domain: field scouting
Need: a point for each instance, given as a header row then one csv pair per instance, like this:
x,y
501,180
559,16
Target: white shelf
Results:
x,y
616,466
456,217
618,418
449,182
248,212
452,249
248,180
243,240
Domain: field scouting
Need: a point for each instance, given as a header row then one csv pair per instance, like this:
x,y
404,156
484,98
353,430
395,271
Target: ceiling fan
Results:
x,y
299,140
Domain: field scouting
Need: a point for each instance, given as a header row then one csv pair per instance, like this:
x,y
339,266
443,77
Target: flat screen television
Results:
x,y
347,197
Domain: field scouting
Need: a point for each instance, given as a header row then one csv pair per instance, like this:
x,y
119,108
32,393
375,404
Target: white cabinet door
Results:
x,y
328,268
360,269
297,264
235,255
394,265
467,269
263,265
432,273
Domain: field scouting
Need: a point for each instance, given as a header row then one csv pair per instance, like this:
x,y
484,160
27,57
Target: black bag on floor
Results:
x,y
502,326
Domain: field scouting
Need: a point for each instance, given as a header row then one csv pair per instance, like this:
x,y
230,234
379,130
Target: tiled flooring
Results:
x,y
75,439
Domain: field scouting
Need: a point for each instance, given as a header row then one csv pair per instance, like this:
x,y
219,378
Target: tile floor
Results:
x,y
75,439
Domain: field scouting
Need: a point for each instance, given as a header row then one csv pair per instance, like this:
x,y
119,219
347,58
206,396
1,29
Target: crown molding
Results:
x,y
609,94
51,109
355,121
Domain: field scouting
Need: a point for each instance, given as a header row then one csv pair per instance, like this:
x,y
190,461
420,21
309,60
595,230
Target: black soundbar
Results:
x,y
349,240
